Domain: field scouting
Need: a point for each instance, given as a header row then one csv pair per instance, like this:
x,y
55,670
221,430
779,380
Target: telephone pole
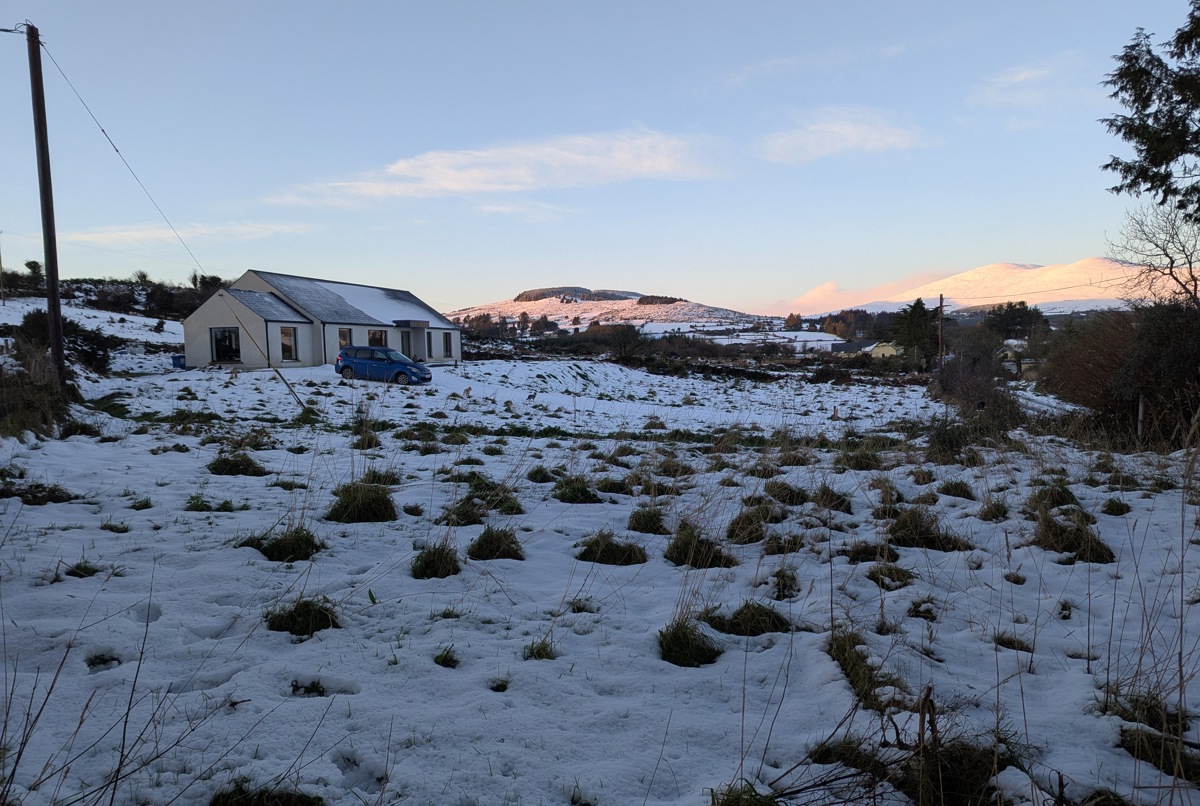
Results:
x,y
49,240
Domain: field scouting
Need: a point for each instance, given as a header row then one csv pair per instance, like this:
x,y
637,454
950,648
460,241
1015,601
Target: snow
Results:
x,y
127,326
178,609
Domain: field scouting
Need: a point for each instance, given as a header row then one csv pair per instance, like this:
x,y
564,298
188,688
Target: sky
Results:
x,y
770,157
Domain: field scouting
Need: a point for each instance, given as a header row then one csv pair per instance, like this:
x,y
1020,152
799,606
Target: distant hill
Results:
x,y
565,304
1090,284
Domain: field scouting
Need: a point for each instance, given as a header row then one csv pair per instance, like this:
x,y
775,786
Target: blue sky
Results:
x,y
764,156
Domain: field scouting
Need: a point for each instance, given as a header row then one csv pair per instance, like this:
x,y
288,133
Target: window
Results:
x,y
344,337
226,345
447,345
287,344
377,338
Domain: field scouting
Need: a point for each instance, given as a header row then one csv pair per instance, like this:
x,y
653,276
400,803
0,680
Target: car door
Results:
x,y
379,366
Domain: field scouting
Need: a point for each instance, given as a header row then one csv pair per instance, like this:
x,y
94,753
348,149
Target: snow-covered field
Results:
x,y
160,670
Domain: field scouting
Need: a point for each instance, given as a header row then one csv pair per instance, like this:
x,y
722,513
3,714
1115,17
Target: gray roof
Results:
x,y
270,307
319,301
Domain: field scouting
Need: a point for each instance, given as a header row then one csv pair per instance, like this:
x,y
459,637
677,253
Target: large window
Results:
x,y
447,345
287,344
377,338
344,337
226,345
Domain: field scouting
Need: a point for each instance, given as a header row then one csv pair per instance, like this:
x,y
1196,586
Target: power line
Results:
x,y
128,167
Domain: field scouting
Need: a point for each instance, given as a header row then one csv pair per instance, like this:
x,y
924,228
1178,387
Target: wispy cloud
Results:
x,y
151,233
836,130
571,161
1033,84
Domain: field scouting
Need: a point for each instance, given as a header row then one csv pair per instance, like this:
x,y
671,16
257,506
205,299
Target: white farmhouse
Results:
x,y
268,319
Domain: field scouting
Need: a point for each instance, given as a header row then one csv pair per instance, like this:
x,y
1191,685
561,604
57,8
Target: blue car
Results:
x,y
380,364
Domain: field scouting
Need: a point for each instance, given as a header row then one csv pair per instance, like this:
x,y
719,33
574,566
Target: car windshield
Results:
x,y
398,357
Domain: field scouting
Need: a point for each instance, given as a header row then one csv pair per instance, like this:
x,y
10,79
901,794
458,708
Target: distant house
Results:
x,y
268,319
886,349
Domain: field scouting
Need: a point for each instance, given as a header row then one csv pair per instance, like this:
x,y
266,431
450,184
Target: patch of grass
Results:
x,y
291,545
256,439
1167,753
310,689
99,661
415,510
918,527
648,521
924,608
749,525
921,476
574,490
674,468
115,528
1115,507
303,618
889,576
1010,640
782,544
947,441
828,498
846,648
482,495
866,551
386,478
742,793
763,470
683,643
446,658
603,548
197,503
687,547
1145,707
82,569
954,773
1072,536
436,561
861,458
77,428
456,439
357,502
611,486
35,493
498,685
496,544
288,484
1049,496
784,583
239,795
1014,578
751,618
540,475
541,649
994,510
238,463
956,488
785,493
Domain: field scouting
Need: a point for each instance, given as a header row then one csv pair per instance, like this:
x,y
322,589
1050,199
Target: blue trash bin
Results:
x,y
177,361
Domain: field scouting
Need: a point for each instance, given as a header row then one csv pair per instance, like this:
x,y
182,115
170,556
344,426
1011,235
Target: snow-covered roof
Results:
x,y
270,307
353,304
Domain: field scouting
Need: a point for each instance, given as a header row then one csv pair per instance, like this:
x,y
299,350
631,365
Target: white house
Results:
x,y
268,319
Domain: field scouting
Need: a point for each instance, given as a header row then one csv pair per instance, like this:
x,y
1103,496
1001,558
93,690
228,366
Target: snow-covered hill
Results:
x,y
565,309
1088,284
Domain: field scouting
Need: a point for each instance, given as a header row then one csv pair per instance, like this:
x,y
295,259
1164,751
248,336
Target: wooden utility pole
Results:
x,y
941,349
49,241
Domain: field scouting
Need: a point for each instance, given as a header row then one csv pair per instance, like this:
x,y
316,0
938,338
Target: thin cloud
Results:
x,y
151,233
572,161
1034,84
837,130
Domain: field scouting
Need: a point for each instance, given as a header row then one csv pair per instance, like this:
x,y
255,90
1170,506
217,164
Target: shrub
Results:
x,y
574,490
647,520
357,502
238,463
687,547
917,527
436,561
296,543
603,548
303,618
751,618
683,643
496,544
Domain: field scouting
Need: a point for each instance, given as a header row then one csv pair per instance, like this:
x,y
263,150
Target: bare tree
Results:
x,y
1165,247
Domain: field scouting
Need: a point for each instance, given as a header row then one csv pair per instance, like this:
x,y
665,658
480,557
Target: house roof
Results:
x,y
270,307
353,304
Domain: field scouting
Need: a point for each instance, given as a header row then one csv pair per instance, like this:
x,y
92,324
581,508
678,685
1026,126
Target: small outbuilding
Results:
x,y
265,319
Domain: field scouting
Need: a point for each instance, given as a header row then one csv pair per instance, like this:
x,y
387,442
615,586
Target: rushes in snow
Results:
x,y
496,544
237,463
683,643
303,618
358,502
292,545
437,561
603,548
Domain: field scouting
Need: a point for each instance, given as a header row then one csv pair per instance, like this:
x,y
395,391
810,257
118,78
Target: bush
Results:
x,y
496,544
357,502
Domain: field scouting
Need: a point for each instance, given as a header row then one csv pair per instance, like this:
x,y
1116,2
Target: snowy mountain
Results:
x,y
1088,284
564,304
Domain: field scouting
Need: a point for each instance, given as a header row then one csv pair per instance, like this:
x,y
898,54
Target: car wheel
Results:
x,y
401,378
348,373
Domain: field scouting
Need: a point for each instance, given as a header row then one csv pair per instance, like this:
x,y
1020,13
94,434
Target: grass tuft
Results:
x,y
687,547
292,545
574,490
918,527
358,502
683,643
437,561
237,463
752,618
496,544
604,549
303,618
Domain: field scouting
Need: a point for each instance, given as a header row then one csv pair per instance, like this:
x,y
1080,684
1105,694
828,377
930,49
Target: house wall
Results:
x,y
310,348
254,335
